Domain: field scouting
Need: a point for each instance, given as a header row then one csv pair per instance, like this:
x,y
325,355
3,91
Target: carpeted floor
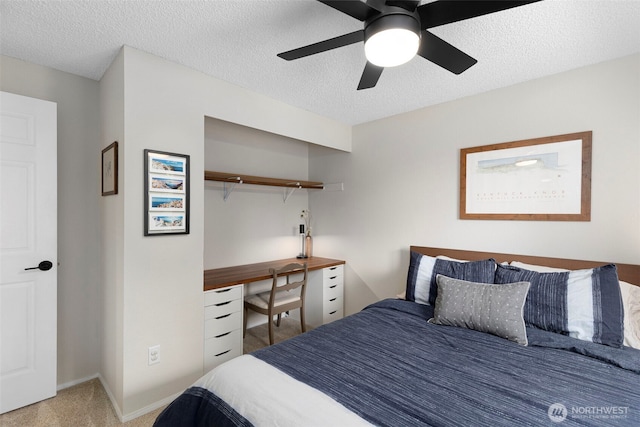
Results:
x,y
258,337
82,405
87,404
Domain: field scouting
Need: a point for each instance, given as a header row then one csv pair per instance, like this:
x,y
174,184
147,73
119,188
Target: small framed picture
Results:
x,y
110,169
166,184
166,202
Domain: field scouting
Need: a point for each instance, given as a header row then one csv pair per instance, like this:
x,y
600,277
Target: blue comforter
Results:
x,y
392,368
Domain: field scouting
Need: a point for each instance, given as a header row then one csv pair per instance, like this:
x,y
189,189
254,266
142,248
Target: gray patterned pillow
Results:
x,y
495,309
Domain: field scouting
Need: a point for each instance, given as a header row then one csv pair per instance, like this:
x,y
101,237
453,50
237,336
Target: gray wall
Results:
x,y
254,224
402,178
156,292
79,190
401,188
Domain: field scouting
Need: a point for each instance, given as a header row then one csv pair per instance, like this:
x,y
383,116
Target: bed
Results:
x,y
421,361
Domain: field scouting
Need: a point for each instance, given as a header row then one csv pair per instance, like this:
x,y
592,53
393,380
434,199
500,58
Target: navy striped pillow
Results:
x,y
584,304
423,269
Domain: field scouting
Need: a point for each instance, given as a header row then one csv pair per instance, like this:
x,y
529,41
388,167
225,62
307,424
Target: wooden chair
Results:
x,y
282,297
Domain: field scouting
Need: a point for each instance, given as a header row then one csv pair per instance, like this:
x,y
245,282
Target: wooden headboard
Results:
x,y
627,272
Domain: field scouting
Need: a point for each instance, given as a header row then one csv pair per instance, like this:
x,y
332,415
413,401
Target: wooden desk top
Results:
x,y
229,276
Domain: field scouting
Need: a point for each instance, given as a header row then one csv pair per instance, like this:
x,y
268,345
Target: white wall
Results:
x,y
401,188
254,224
164,108
119,292
402,178
79,249
112,207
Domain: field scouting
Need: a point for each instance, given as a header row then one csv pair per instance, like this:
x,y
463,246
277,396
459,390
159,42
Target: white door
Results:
x,y
28,236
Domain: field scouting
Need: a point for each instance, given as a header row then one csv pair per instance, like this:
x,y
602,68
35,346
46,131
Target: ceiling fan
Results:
x,y
396,30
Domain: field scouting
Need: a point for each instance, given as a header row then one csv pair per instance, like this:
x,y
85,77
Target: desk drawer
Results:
x,y
222,295
333,310
221,349
223,324
220,344
222,308
334,304
333,273
333,290
211,361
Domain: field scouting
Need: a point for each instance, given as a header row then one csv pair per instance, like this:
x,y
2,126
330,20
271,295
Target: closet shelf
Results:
x,y
259,180
236,178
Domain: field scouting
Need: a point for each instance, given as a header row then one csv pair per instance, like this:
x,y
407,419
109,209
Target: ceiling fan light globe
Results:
x,y
391,47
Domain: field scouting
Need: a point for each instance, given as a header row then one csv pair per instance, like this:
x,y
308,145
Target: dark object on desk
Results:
x,y
281,298
303,252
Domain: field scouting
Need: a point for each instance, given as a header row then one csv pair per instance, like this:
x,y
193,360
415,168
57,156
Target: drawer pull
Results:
x,y
333,299
222,317
333,312
331,287
224,352
221,291
222,335
332,277
223,303
332,268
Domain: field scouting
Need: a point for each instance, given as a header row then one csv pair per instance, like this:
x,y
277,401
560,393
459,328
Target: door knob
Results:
x,y
44,266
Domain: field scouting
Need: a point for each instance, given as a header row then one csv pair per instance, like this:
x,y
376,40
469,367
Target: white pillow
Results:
x,y
630,302
451,259
538,268
403,294
461,260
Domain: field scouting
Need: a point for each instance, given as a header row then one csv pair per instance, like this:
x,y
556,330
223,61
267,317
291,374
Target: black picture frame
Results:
x,y
166,193
110,169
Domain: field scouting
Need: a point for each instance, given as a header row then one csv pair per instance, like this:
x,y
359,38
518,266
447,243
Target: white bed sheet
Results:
x,y
265,396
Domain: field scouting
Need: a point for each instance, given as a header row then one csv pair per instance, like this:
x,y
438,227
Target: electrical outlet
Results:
x,y
154,355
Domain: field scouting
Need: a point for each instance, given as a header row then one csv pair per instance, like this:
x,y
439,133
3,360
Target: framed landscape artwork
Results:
x,y
166,183
542,179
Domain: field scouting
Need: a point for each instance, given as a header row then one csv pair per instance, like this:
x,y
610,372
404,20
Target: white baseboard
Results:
x,y
150,408
123,418
116,408
140,412
76,382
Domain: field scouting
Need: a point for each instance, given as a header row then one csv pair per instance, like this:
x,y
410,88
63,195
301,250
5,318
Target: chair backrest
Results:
x,y
288,285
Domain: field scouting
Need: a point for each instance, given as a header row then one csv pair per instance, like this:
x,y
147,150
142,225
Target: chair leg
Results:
x,y
302,322
270,330
278,321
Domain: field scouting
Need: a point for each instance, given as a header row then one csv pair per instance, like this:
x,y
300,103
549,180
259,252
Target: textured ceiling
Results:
x,y
237,41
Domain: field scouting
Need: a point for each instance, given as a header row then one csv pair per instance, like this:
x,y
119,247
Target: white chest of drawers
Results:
x,y
324,296
223,309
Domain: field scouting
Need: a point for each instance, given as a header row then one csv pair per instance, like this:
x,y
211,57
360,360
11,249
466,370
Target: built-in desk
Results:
x,y
242,274
224,294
